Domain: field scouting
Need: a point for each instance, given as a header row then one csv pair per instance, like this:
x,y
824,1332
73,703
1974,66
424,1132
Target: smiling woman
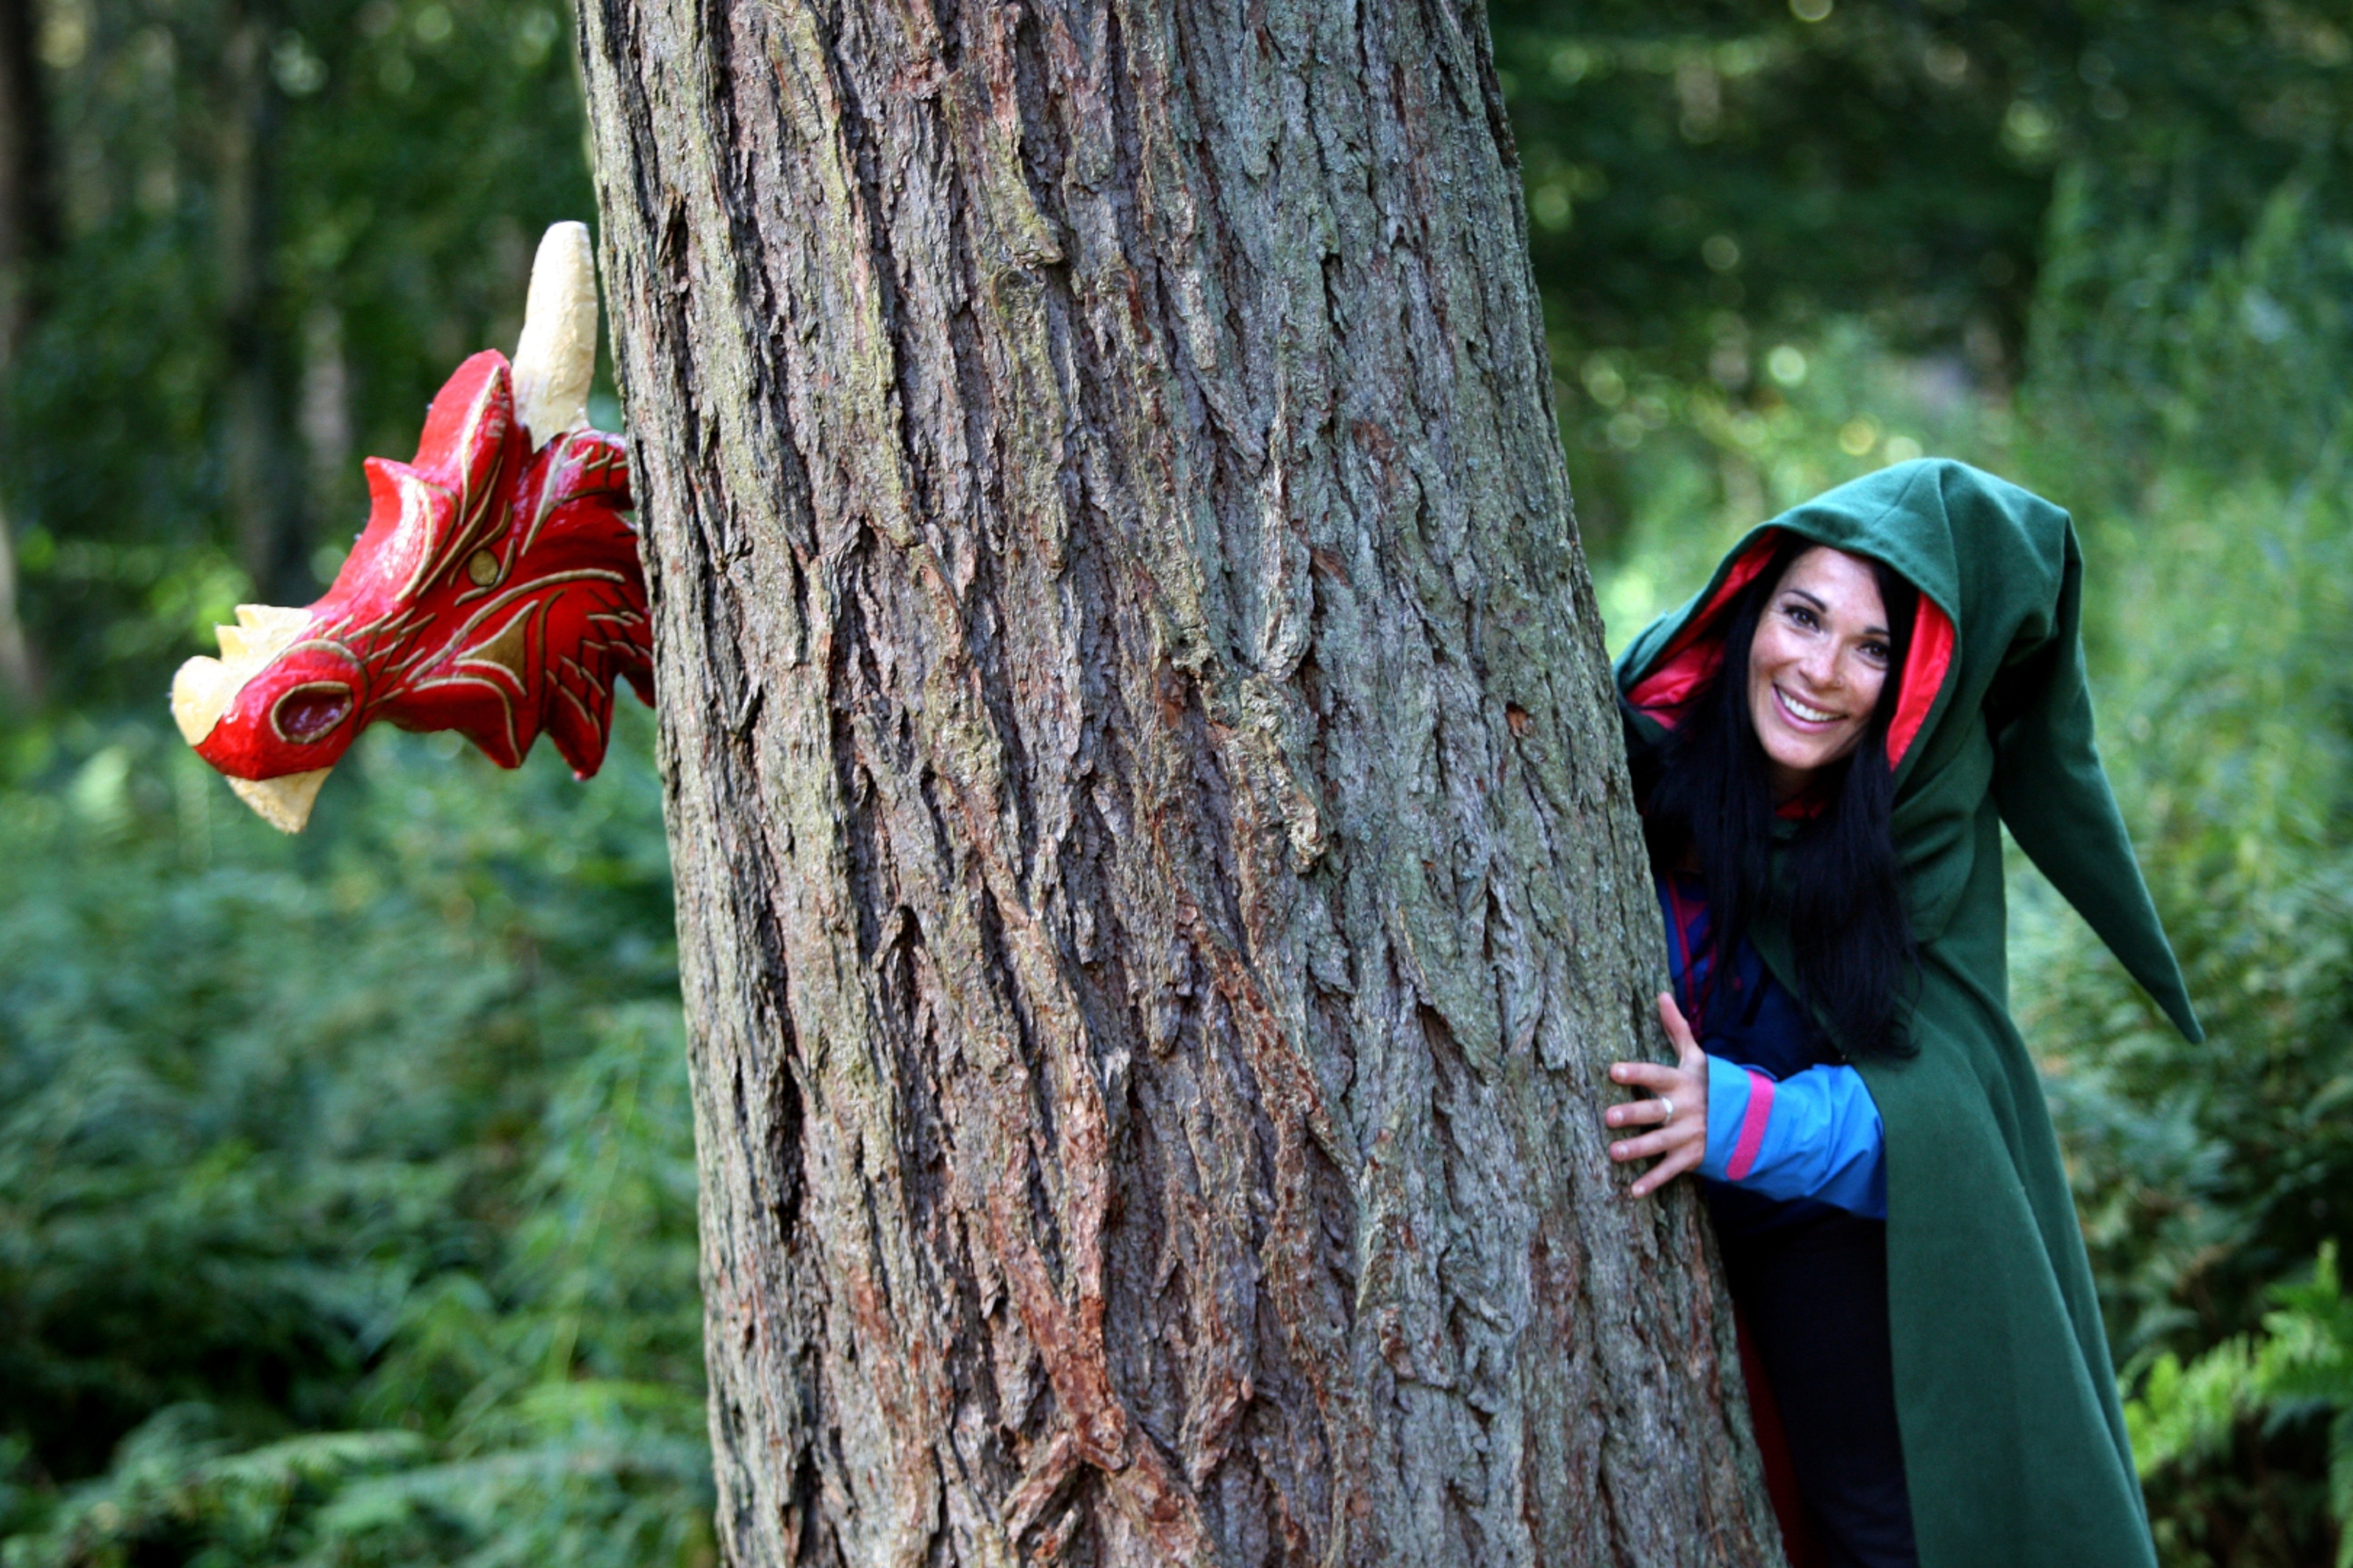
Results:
x,y
1772,760
1791,763
1826,744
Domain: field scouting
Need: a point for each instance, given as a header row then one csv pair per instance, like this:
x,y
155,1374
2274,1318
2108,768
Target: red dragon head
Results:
x,y
495,590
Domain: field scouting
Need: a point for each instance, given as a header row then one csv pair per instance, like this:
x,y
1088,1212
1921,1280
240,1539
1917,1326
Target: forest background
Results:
x,y
346,1183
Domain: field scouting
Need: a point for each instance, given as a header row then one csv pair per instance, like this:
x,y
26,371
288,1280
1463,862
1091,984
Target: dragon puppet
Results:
x,y
495,590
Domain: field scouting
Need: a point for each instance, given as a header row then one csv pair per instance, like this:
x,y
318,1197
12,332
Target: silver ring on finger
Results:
x,y
1670,1104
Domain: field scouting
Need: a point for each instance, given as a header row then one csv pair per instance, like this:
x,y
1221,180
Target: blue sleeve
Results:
x,y
1815,1134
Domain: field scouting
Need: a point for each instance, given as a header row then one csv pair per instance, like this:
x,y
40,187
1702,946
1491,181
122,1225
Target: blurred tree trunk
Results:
x,y
28,238
1157,886
259,468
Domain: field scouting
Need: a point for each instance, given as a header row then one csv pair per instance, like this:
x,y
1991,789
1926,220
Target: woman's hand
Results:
x,y
1682,1137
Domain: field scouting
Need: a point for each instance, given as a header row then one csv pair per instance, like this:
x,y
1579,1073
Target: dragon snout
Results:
x,y
272,714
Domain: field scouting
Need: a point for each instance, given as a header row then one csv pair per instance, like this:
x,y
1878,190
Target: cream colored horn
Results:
x,y
556,358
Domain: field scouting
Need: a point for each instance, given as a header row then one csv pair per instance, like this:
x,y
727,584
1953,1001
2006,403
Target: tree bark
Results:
x,y
1158,885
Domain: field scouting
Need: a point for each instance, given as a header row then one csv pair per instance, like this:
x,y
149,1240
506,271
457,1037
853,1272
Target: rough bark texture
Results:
x,y
1158,888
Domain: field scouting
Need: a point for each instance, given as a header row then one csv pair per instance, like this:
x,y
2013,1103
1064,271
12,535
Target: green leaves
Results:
x,y
349,1186
2302,1361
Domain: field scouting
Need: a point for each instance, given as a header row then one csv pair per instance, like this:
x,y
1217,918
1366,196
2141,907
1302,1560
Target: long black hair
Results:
x,y
1707,804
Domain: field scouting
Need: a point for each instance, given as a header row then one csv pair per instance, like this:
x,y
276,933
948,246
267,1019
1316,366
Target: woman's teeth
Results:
x,y
1810,715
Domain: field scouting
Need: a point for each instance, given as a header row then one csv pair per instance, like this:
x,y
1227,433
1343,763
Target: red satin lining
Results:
x,y
1694,654
1691,659
1924,664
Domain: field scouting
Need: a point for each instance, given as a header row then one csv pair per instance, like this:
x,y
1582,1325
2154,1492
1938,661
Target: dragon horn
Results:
x,y
557,357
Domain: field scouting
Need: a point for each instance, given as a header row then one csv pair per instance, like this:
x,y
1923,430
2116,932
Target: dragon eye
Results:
x,y
307,713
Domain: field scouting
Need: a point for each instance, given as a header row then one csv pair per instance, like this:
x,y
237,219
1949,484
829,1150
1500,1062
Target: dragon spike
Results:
x,y
201,692
557,357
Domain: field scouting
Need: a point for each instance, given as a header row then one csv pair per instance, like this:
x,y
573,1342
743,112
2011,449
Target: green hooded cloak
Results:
x,y
2014,1443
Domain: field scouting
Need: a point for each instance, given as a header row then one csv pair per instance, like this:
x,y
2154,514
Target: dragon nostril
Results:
x,y
307,713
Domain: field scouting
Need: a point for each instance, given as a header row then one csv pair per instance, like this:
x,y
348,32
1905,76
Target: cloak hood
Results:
x,y
1993,697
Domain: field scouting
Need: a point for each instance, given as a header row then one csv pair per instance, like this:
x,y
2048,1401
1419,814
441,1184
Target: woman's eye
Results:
x,y
1802,616
1876,651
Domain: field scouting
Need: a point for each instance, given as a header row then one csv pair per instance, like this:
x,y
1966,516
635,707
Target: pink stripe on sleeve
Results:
x,y
1752,1127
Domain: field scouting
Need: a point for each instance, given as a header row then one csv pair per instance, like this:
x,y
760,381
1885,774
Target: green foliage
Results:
x,y
2301,1365
350,1183
2192,309
1691,158
2191,346
1711,185
1708,183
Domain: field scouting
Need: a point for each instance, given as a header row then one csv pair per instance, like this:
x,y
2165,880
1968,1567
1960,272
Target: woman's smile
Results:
x,y
1804,713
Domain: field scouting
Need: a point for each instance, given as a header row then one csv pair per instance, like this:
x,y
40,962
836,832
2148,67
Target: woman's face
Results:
x,y
1816,665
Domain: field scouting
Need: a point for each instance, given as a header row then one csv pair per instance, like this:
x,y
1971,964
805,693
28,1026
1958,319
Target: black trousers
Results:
x,y
1813,1290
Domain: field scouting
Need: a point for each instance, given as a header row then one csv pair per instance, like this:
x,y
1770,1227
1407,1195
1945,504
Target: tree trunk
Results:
x,y
28,222
28,239
1157,886
257,470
